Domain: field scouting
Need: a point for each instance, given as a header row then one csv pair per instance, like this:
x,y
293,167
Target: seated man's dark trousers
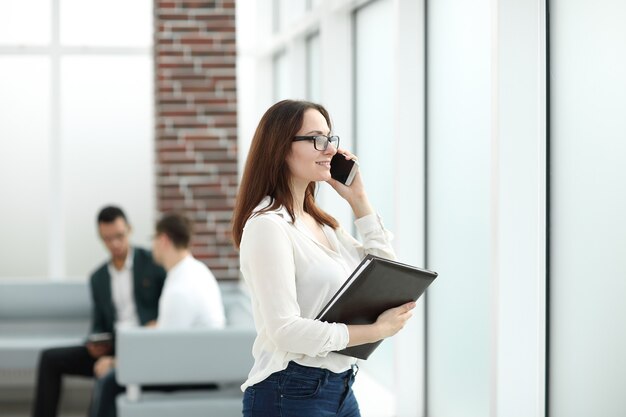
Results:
x,y
53,365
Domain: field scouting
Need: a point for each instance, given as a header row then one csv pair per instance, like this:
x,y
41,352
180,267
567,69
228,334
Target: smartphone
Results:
x,y
100,338
342,169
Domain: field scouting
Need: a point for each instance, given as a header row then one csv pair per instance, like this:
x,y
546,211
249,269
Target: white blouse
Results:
x,y
291,277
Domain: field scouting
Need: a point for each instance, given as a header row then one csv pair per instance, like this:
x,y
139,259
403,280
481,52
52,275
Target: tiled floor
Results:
x,y
18,404
23,410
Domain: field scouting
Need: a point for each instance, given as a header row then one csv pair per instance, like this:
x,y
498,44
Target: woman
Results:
x,y
294,257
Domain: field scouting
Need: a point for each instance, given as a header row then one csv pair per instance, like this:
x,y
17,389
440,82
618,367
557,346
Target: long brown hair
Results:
x,y
266,172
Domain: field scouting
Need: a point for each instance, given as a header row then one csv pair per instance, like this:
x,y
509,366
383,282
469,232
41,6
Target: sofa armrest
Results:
x,y
155,356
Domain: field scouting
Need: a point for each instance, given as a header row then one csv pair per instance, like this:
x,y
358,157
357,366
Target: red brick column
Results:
x,y
196,122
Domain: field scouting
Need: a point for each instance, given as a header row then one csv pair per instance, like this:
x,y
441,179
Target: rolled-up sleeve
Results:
x,y
268,266
376,240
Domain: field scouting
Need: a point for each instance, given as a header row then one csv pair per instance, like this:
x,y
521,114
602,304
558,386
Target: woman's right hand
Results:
x,y
387,324
355,193
393,320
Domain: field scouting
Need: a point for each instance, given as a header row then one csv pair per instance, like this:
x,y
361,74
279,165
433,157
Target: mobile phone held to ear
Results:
x,y
342,169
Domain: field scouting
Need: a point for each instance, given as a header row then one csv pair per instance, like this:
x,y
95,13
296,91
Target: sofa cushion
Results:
x,y
225,402
44,300
39,315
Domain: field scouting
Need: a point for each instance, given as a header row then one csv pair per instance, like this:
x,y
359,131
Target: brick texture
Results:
x,y
196,123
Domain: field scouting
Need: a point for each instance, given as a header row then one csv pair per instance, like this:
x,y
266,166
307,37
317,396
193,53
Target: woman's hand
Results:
x,y
393,320
354,194
388,323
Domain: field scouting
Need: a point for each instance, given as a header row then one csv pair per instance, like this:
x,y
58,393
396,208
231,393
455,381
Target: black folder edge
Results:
x,y
365,264
362,267
365,350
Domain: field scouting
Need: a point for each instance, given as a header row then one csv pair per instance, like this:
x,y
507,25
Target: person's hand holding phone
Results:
x,y
99,344
355,193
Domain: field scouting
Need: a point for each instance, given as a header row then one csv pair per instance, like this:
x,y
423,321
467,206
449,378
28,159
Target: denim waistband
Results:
x,y
296,367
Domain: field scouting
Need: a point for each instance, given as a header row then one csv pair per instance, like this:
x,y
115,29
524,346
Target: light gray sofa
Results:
x,y
35,315
160,357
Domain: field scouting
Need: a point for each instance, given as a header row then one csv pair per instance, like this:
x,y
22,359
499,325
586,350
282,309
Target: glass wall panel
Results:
x,y
458,204
17,30
375,135
314,69
280,77
111,23
288,12
587,364
24,165
374,102
314,4
107,150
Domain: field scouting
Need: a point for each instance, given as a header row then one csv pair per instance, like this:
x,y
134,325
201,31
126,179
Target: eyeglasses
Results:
x,y
320,142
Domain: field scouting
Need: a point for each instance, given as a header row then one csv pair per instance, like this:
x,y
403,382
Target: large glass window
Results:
x,y
374,68
344,55
106,144
459,209
374,134
111,23
25,22
24,164
587,222
314,64
280,77
75,130
287,12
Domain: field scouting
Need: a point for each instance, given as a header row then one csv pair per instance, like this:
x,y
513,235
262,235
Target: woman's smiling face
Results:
x,y
306,163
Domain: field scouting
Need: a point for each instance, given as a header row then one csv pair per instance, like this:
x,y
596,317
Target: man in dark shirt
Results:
x,y
125,292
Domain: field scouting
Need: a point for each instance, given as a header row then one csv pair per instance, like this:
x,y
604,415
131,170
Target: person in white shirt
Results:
x,y
190,298
294,257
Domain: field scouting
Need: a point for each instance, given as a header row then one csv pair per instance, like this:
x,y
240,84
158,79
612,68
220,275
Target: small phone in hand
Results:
x,y
100,338
342,169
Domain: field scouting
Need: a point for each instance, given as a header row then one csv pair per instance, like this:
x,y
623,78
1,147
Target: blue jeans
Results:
x,y
302,391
